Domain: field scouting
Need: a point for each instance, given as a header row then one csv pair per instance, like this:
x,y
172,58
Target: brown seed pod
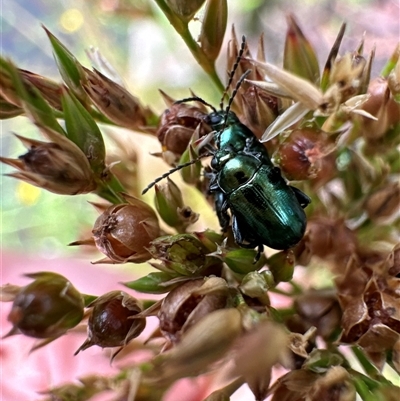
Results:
x,y
110,322
47,307
184,306
123,232
304,156
177,126
59,166
319,308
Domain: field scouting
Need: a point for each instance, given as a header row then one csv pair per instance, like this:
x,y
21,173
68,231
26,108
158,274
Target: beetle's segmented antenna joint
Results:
x,y
232,73
235,91
173,170
196,99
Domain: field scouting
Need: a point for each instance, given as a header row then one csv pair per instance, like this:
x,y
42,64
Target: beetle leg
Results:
x,y
221,208
240,240
301,197
239,237
260,250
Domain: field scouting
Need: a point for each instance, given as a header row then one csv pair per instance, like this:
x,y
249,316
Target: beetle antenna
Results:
x,y
196,99
173,170
235,91
232,73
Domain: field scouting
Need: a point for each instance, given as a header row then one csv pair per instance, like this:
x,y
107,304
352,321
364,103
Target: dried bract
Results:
x,y
259,109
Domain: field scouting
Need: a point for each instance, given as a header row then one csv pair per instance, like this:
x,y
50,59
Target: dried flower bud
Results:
x,y
327,239
110,323
47,307
392,263
50,90
177,126
294,385
301,345
394,81
7,89
335,385
185,305
370,309
123,232
169,205
182,253
204,343
213,28
299,57
346,75
114,101
59,167
184,9
303,156
260,109
382,105
320,308
257,353
384,203
254,285
8,110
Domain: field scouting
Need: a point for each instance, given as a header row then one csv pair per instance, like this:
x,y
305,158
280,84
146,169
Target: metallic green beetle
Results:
x,y
265,210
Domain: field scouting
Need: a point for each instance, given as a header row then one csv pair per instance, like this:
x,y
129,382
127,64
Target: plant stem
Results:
x,y
363,390
368,367
182,28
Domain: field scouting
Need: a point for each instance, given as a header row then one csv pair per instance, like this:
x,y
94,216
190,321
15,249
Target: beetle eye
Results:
x,y
214,119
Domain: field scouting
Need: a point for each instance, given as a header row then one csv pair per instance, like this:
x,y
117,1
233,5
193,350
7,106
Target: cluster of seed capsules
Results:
x,y
264,209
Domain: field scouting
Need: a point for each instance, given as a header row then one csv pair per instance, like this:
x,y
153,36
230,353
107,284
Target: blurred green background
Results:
x,y
142,46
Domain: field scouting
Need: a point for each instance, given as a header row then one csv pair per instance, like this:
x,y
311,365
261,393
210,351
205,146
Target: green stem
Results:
x,y
106,192
368,367
285,312
182,28
363,390
366,386
280,292
297,289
